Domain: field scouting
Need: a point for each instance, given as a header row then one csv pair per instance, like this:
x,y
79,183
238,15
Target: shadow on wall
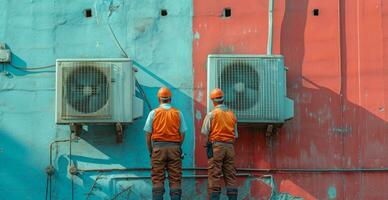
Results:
x,y
103,137
292,47
21,68
366,136
292,37
18,167
318,136
98,149
305,146
314,138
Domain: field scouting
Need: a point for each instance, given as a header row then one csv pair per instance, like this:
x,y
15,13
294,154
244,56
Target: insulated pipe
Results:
x,y
257,170
270,27
197,176
50,169
51,149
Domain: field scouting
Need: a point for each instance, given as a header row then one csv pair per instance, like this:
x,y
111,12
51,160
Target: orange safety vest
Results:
x,y
222,126
165,125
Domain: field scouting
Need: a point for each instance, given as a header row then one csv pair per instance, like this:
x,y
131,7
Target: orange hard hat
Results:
x,y
164,93
216,94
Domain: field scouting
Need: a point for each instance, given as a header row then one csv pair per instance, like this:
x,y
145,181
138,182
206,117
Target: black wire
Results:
x,y
117,41
31,68
50,186
47,183
71,164
143,94
72,187
126,55
49,177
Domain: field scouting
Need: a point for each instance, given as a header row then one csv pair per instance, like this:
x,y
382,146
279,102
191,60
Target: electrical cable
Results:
x,y
254,170
71,165
117,41
47,183
72,187
143,94
31,68
126,55
49,177
50,187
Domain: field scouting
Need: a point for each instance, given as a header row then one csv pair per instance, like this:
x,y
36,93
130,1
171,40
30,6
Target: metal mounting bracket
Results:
x,y
119,132
271,129
76,129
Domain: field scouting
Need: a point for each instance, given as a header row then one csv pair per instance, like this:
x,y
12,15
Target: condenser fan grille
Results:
x,y
86,89
250,86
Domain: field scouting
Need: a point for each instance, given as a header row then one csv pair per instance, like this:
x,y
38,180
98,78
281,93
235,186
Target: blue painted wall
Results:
x,y
38,32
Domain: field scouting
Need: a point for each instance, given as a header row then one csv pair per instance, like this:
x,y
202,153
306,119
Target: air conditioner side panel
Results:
x,y
122,92
281,90
138,105
211,81
288,106
58,94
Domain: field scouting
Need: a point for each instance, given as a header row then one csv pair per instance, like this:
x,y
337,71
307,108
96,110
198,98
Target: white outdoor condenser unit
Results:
x,y
96,91
254,87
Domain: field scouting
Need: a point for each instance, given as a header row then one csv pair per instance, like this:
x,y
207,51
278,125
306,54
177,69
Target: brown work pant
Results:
x,y
222,163
166,158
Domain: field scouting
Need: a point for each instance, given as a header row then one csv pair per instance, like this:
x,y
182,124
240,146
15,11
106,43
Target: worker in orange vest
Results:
x,y
165,128
220,128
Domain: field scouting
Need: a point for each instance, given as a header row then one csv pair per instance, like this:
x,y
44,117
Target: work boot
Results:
x,y
175,194
215,195
232,193
157,193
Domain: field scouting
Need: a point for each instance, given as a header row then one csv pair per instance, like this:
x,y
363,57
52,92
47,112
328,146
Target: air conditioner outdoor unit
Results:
x,y
254,86
90,91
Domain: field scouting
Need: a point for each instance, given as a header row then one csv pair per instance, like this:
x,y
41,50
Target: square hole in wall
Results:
x,y
316,12
163,12
88,12
226,12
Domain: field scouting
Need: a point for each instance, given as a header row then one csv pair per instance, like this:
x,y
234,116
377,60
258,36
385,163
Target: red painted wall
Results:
x,y
338,78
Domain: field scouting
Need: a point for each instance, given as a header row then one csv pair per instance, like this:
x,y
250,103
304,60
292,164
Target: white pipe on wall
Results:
x,y
270,27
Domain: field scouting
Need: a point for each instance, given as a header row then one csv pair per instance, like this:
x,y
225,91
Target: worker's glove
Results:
x,y
209,149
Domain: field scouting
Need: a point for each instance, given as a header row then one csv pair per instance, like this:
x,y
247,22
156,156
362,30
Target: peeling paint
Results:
x,y
198,115
196,36
332,192
199,96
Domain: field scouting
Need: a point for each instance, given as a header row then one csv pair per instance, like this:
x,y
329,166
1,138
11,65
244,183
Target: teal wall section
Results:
x,y
38,32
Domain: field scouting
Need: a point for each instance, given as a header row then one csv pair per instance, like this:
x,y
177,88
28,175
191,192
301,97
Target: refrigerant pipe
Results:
x,y
50,169
270,27
183,176
258,170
